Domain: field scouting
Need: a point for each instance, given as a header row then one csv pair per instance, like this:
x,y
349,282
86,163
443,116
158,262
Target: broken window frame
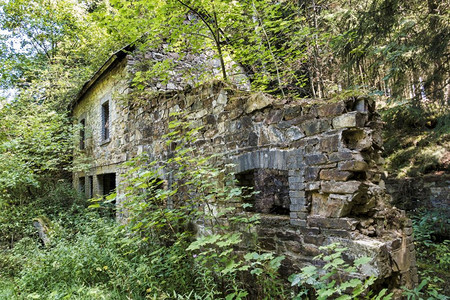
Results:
x,y
83,134
105,121
82,185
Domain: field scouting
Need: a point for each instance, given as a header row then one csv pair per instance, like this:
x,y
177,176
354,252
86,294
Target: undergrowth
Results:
x,y
431,234
416,142
176,244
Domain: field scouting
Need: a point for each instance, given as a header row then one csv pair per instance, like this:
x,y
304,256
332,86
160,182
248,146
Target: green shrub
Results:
x,y
336,280
156,254
404,116
431,232
55,201
195,212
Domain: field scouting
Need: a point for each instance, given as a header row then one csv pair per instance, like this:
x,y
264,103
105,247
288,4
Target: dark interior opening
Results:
x,y
83,134
267,190
105,121
91,186
352,138
82,185
107,185
358,175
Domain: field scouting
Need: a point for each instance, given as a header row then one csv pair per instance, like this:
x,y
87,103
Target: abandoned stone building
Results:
x,y
317,164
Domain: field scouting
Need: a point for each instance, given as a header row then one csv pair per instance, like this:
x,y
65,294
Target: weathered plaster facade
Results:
x,y
318,164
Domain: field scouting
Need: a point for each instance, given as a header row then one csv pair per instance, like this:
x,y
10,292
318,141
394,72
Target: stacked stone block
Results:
x,y
431,192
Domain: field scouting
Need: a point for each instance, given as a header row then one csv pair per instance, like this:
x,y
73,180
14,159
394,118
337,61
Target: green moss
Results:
x,y
345,94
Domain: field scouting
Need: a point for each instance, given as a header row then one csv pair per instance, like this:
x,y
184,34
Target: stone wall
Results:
x,y
325,156
112,84
428,192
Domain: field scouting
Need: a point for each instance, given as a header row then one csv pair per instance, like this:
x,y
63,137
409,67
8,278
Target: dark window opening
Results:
x,y
91,186
83,134
267,190
107,185
105,121
82,185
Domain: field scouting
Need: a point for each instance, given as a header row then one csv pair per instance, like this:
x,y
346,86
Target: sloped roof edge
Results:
x,y
109,64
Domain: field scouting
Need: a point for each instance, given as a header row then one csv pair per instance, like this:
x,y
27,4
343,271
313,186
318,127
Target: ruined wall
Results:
x,y
169,71
429,192
319,163
316,163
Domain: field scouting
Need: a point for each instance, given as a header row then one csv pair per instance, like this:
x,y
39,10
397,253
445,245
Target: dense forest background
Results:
x,y
394,50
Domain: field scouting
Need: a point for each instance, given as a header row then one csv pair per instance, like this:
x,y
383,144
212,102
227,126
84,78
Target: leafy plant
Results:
x,y
430,232
432,251
427,288
336,279
195,204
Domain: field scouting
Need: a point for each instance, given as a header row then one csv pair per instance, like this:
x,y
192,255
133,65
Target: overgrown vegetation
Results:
x,y
395,50
416,142
334,279
177,242
432,240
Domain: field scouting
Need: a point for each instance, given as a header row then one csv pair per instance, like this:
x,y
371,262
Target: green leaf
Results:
x,y
362,260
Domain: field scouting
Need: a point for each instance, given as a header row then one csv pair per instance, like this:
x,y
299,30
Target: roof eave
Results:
x,y
109,64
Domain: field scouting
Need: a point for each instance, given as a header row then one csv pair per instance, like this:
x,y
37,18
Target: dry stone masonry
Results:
x,y
431,192
317,164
